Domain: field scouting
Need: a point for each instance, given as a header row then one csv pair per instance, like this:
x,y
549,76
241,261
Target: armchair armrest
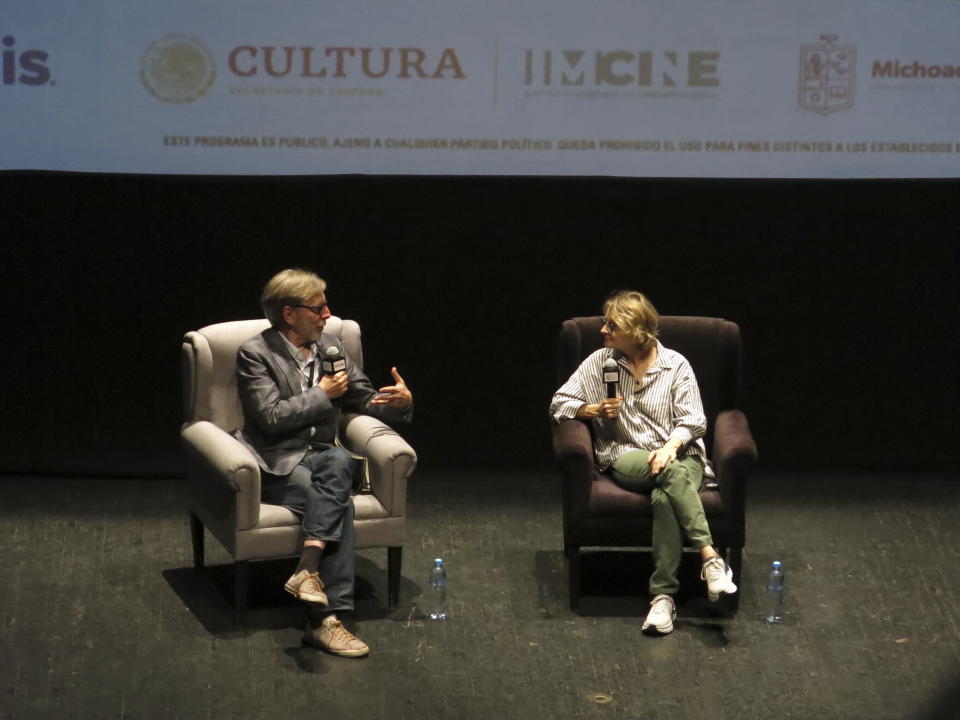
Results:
x,y
734,457
390,458
218,463
573,450
573,447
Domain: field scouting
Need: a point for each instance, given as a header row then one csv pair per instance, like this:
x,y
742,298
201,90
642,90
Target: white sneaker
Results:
x,y
661,616
719,578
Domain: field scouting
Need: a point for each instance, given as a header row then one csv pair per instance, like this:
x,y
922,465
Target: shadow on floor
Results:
x,y
208,595
613,583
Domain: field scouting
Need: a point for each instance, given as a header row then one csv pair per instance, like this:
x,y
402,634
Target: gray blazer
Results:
x,y
278,414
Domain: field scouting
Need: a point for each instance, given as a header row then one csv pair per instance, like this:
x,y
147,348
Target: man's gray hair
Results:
x,y
292,286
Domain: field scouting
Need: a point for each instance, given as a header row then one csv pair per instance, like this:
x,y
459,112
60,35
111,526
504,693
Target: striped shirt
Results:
x,y
665,405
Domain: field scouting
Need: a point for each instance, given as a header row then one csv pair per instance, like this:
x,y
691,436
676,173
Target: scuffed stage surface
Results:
x,y
101,615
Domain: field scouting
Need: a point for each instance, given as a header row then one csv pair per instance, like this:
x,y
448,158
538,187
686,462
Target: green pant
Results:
x,y
677,510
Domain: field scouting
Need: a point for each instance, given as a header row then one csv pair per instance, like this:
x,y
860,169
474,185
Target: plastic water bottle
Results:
x,y
773,609
438,590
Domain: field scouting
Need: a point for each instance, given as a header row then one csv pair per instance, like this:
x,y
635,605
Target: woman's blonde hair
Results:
x,y
292,286
633,313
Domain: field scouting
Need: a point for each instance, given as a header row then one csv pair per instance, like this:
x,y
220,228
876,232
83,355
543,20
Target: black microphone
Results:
x,y
334,362
611,376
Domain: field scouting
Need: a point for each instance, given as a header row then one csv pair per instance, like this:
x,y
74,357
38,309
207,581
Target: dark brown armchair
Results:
x,y
596,511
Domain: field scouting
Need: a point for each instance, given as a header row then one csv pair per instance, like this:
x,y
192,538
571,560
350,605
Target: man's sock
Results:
x,y
316,614
310,559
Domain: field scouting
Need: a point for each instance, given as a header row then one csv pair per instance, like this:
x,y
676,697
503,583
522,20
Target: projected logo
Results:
x,y
27,67
621,68
177,69
827,73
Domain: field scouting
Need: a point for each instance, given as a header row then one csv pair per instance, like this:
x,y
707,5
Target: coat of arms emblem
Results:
x,y
177,69
827,75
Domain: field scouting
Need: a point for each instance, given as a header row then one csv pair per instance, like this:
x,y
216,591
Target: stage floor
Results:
x,y
101,615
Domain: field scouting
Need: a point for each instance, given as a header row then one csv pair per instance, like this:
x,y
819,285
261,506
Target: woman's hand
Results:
x,y
609,408
659,459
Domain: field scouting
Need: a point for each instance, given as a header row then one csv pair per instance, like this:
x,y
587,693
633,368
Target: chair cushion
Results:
x,y
217,370
607,499
272,516
365,507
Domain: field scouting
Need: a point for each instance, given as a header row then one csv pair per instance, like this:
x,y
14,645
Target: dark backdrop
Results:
x,y
844,291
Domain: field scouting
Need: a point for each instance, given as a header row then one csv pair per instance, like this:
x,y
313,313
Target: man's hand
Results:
x,y
334,385
609,408
659,459
398,396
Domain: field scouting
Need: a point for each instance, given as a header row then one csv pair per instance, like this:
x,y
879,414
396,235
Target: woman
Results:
x,y
650,439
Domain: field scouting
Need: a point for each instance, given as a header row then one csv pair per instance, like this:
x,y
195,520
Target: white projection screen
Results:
x,y
679,88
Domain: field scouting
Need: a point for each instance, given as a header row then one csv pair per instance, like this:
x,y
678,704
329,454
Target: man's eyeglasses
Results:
x,y
315,309
611,326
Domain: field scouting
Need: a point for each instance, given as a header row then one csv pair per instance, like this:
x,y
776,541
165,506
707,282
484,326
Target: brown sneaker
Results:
x,y
307,586
333,637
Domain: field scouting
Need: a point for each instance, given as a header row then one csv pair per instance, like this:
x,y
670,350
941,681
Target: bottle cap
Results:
x,y
777,564
438,561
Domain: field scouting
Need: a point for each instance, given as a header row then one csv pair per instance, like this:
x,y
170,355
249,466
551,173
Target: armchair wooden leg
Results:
x,y
196,540
573,567
735,561
241,586
394,563
734,558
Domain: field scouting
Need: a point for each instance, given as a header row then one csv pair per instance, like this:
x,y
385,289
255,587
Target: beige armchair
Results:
x,y
223,478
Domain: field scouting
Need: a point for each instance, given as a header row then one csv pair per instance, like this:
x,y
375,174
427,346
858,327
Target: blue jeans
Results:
x,y
318,490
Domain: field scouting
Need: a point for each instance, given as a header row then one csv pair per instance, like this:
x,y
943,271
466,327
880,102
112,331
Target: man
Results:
x,y
651,441
291,409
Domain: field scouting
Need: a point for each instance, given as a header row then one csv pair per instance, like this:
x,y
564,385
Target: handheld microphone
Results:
x,y
611,376
334,362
